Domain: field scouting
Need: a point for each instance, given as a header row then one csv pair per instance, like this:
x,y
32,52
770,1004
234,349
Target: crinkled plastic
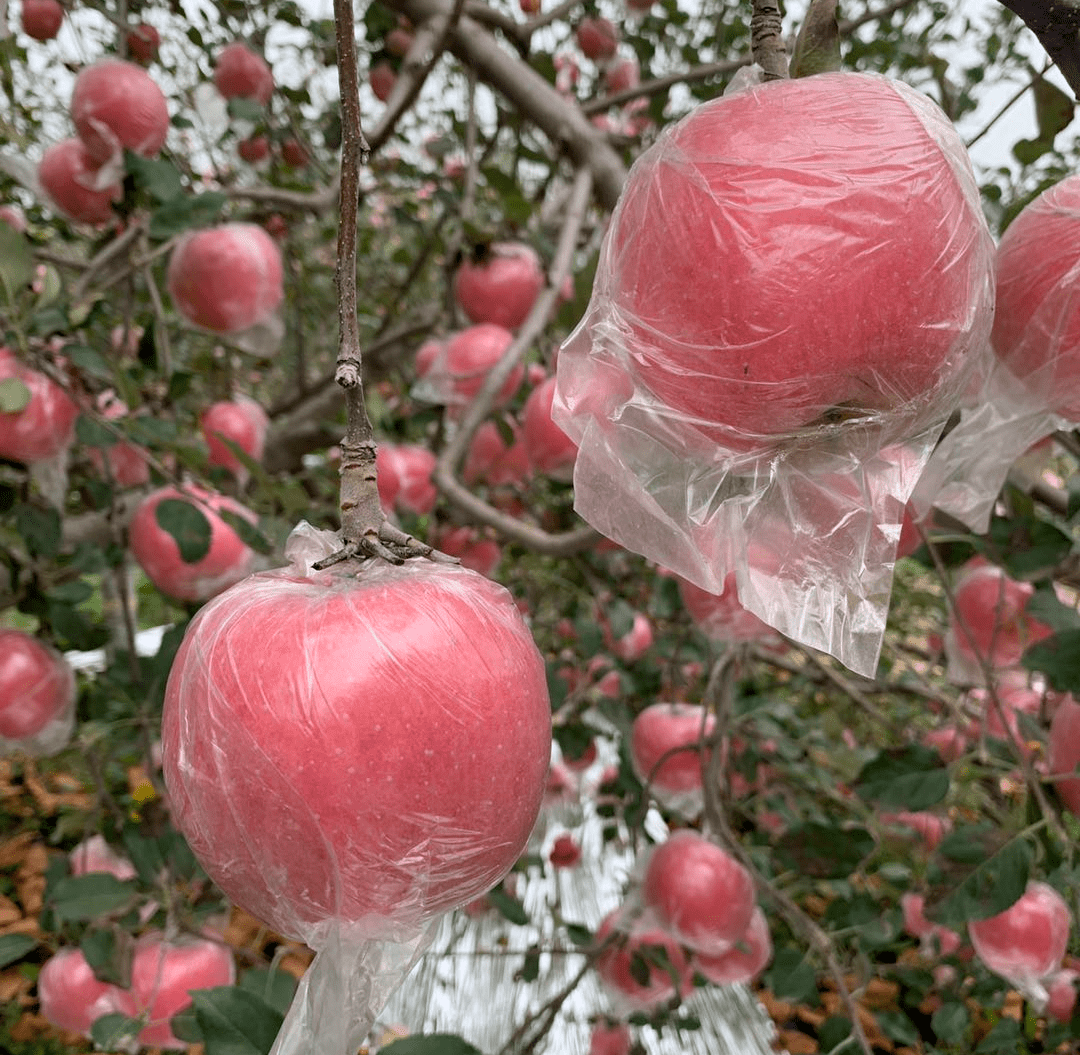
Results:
x,y
37,696
350,754
792,295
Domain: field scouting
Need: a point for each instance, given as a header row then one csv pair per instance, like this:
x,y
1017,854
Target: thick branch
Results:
x,y
767,39
1057,25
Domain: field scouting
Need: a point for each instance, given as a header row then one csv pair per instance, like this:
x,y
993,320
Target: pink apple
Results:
x,y
608,1038
928,826
1064,752
1027,941
293,154
70,996
565,851
699,892
597,37
426,355
96,855
934,938
382,79
143,42
116,106
721,617
37,687
549,449
398,41
240,73
389,482
459,371
1037,323
69,176
255,149
241,420
529,7
42,19
227,561
744,961
579,763
411,466
474,551
45,426
679,304
623,75
124,464
662,728
949,742
637,937
636,642
227,278
500,284
431,707
1061,989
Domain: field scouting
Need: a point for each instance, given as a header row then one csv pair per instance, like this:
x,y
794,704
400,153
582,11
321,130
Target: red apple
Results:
x,y
928,826
37,687
410,465
662,728
227,278
255,149
418,688
293,154
96,855
163,974
935,939
529,7
1064,752
720,616
564,852
950,742
1037,322
41,19
597,37
1027,941
1061,990
641,937
752,290
143,42
699,892
459,372
382,79
621,76
124,464
227,561
398,41
499,284
579,763
633,645
744,961
549,449
426,355
45,425
240,73
480,554
609,1038
70,996
117,105
241,420
69,176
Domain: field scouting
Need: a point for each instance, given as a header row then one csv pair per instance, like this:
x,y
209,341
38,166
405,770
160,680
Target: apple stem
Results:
x,y
767,39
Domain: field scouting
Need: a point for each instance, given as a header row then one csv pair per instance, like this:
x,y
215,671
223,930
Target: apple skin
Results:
x,y
42,19
13,217
241,420
549,449
467,358
37,687
398,41
227,561
227,278
240,73
699,892
255,149
565,851
293,154
96,855
407,468
68,174
597,38
1037,323
418,688
382,79
127,464
623,75
1027,941
71,997
609,1038
1064,752
613,965
500,287
143,42
720,617
744,961
117,105
933,936
656,730
754,297
1061,989
45,426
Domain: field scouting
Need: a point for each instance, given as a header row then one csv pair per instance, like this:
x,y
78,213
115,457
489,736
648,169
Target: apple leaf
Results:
x,y
510,908
817,47
274,987
13,947
822,851
1057,657
234,1021
791,977
431,1044
41,530
14,395
1053,109
114,1032
910,778
109,952
92,433
178,214
975,876
188,525
90,896
16,261
249,534
159,178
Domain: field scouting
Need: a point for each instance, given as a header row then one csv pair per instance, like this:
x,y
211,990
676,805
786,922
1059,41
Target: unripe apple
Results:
x,y
609,1038
698,892
661,728
70,996
241,420
96,855
240,73
143,42
1027,941
744,961
721,617
227,561
117,106
227,278
68,175
37,687
418,688
1037,322
45,425
1064,752
637,937
293,154
749,289
382,79
500,284
597,37
549,449
42,19
255,149
459,372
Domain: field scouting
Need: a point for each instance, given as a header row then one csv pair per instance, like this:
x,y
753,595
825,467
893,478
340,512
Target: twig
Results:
x,y
767,39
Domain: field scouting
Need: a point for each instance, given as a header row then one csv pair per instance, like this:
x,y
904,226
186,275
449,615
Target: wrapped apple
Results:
x,y
37,696
795,288
352,753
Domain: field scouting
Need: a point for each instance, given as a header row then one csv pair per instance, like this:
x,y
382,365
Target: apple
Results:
x,y
382,78
124,464
499,283
720,617
68,175
934,938
13,217
411,466
747,289
293,154
117,105
241,420
490,460
388,480
665,727
227,561
949,742
1064,752
474,551
565,851
96,855
163,974
579,763
928,826
529,7
623,75
641,937
459,372
254,149
398,41
597,38
426,355
699,892
1027,941
609,1038
240,73
1037,323
633,645
418,687
548,448
45,425
41,19
227,278
744,961
1061,990
70,996
37,687
143,42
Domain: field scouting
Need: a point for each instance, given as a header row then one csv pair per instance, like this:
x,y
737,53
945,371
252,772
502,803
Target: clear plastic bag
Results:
x,y
793,294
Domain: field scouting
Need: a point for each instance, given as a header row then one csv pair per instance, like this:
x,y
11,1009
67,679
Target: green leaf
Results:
x,y
93,433
950,1023
897,1027
13,947
1004,1037
275,988
109,951
973,878
16,261
431,1043
530,968
510,907
246,109
182,213
188,525
110,1032
1047,608
41,530
910,777
249,534
158,177
89,897
817,47
14,395
89,361
790,977
823,851
1053,109
235,1021
1057,657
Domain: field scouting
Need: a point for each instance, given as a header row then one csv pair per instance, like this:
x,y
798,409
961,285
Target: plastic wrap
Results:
x,y
37,696
351,754
790,300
